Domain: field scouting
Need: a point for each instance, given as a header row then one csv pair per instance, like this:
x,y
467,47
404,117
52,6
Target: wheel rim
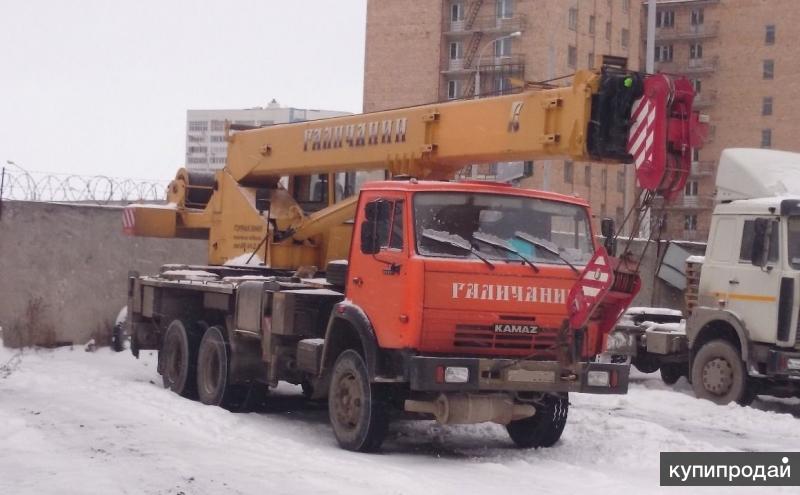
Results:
x,y
347,401
211,373
718,376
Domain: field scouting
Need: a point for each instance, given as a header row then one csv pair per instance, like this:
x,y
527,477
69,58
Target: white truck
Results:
x,y
742,337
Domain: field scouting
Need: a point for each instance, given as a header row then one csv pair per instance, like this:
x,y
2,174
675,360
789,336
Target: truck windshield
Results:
x,y
538,229
794,242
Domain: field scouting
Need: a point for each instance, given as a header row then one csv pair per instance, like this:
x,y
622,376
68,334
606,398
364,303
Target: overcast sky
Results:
x,y
102,87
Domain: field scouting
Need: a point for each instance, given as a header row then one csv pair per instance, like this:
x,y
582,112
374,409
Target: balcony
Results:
x,y
703,169
692,32
692,66
511,64
705,98
704,202
488,24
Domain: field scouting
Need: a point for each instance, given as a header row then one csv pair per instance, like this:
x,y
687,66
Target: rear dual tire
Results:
x,y
720,375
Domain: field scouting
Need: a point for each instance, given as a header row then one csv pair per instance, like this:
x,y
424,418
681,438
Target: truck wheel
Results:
x,y
357,409
719,374
177,359
544,428
213,365
646,364
672,372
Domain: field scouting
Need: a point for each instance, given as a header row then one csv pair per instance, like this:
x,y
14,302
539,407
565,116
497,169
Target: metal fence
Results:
x,y
19,184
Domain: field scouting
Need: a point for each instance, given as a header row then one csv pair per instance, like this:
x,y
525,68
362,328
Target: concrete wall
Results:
x,y
63,269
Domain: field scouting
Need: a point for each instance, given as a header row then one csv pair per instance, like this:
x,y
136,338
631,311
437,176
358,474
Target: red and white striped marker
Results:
x,y
128,220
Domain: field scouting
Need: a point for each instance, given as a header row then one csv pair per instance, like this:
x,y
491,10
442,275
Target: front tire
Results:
x,y
177,359
719,374
544,428
357,409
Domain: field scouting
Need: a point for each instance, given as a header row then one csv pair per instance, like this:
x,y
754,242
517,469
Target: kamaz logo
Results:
x,y
519,329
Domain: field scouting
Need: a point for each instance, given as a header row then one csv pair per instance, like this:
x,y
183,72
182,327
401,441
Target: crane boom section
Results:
x,y
430,141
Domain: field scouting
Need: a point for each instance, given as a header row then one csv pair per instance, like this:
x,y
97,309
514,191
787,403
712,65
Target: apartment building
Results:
x,y
741,59
206,147
423,51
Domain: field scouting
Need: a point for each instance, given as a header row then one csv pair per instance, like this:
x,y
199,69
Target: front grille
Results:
x,y
484,338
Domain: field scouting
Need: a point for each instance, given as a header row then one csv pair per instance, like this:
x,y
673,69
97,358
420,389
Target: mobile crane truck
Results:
x,y
742,335
466,302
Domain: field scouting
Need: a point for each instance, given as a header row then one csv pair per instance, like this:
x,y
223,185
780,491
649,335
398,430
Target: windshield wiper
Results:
x,y
532,240
455,241
500,244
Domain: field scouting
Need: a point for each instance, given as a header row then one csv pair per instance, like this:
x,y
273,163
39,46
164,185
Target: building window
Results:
x,y
608,31
505,9
217,139
502,47
196,160
665,18
591,24
766,138
695,155
591,60
769,69
527,169
626,34
587,176
626,5
455,50
573,19
697,85
770,35
604,179
620,181
456,12
217,125
502,85
198,149
766,106
697,17
663,53
690,223
572,56
568,172
453,89
696,50
198,125
691,188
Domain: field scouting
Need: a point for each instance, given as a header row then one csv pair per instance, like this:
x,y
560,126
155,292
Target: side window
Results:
x,y
390,226
724,239
746,248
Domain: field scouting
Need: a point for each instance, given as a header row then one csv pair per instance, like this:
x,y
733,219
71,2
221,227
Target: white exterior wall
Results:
x,y
206,147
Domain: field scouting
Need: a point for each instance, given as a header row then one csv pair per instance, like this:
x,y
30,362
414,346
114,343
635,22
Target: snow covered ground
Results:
x,y
77,422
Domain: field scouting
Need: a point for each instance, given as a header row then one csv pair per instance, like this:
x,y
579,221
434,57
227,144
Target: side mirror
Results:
x,y
762,233
373,212
262,200
608,229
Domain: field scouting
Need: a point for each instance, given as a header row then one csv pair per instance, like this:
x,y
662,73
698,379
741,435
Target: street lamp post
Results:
x,y
515,34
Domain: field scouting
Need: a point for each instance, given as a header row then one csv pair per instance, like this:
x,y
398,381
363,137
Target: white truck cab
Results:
x,y
743,335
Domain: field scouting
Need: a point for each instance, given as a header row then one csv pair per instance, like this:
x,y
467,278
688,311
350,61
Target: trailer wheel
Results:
x,y
672,372
177,359
646,364
357,409
719,374
544,428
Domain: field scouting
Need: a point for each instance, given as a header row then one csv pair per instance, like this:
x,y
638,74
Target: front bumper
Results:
x,y
426,374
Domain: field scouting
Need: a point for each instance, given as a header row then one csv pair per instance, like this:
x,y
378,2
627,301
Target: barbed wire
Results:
x,y
21,185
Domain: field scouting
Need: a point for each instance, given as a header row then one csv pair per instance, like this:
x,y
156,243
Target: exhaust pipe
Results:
x,y
472,408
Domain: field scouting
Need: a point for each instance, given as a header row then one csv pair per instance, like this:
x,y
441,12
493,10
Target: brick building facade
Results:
x,y
423,51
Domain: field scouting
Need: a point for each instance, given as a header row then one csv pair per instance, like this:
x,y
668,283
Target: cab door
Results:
x,y
754,291
378,268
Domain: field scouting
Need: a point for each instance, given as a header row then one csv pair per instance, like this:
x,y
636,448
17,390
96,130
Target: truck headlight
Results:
x,y
598,378
456,374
